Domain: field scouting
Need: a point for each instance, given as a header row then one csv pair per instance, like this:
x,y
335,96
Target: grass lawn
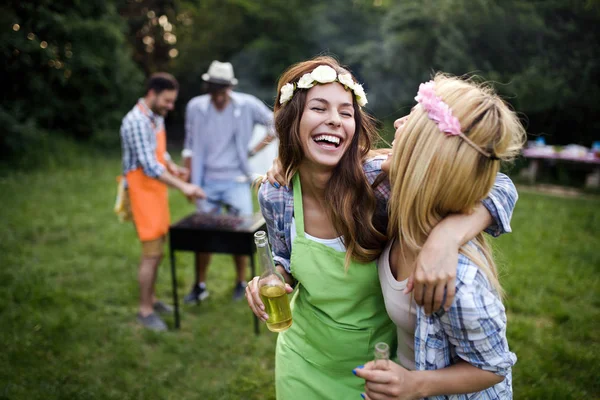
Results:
x,y
68,296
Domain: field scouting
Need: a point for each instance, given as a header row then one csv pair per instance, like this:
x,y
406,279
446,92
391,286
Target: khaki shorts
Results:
x,y
153,248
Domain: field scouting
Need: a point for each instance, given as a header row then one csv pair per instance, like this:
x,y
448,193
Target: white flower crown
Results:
x,y
323,74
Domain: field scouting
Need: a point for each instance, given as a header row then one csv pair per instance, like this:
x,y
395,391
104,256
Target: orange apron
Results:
x,y
149,196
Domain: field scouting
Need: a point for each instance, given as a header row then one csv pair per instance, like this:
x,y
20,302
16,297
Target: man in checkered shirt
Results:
x,y
148,170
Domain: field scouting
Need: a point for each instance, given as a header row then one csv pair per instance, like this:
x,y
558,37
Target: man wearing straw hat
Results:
x,y
218,130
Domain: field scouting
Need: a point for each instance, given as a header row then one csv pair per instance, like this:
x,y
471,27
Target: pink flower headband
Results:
x,y
440,113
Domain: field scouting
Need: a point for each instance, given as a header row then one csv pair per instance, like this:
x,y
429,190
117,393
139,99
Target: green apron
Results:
x,y
338,316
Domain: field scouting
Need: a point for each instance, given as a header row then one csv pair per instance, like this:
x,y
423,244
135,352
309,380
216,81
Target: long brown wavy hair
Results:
x,y
349,200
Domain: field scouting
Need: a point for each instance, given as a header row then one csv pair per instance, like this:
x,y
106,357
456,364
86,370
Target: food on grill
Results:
x,y
217,221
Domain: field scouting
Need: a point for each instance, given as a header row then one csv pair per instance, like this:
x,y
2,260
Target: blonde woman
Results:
x,y
326,232
446,155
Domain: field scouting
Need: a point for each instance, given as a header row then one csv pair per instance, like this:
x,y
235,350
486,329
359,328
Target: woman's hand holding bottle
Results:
x,y
391,383
267,295
255,302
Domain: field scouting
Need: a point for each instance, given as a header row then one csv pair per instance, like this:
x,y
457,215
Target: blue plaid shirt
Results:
x,y
473,329
138,140
277,206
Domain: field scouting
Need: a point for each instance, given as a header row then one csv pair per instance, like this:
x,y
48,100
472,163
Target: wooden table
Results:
x,y
206,233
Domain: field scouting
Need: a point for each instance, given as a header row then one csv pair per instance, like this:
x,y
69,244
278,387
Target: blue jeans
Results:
x,y
235,194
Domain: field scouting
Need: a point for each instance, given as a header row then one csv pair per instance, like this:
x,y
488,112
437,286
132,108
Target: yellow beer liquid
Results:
x,y
277,307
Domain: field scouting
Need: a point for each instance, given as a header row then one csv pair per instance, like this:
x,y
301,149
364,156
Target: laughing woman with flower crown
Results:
x,y
335,223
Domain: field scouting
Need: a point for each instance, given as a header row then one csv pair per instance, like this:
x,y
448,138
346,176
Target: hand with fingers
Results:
x,y
255,302
183,173
434,279
275,175
192,191
388,381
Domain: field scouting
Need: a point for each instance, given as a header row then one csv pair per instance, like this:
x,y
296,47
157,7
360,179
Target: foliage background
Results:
x,y
75,67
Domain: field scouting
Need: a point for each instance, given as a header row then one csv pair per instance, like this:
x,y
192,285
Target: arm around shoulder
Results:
x,y
501,203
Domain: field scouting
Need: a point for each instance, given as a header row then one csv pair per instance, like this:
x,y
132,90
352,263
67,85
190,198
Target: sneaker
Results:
x,y
153,322
239,291
162,308
196,295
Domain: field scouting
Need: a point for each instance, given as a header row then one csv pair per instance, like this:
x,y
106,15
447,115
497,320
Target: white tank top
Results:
x,y
337,244
401,308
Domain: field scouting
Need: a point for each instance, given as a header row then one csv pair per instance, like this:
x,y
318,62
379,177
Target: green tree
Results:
x,y
263,37
259,37
542,56
152,32
67,67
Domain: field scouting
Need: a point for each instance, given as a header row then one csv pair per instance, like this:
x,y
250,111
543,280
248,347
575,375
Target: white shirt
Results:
x,y
401,308
335,243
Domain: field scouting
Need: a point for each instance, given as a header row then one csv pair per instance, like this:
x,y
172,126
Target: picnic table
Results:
x,y
537,155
